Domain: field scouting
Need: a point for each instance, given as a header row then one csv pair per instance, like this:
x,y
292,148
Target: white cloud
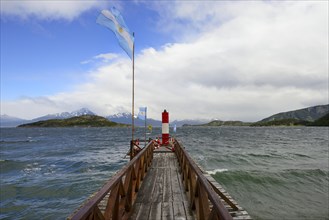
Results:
x,y
106,57
30,107
248,60
48,9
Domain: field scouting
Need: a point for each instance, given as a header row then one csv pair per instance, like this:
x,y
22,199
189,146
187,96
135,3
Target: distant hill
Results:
x,y
222,123
10,121
298,117
188,122
125,118
323,121
282,122
63,115
312,116
78,121
122,118
306,114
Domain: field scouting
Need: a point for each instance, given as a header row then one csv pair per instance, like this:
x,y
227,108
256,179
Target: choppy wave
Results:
x,y
294,176
296,193
274,173
213,172
14,141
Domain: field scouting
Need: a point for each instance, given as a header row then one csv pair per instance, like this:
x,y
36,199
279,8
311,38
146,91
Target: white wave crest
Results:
x,y
213,172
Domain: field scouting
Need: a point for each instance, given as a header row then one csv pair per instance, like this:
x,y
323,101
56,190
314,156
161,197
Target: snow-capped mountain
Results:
x,y
10,121
120,115
125,118
83,111
63,115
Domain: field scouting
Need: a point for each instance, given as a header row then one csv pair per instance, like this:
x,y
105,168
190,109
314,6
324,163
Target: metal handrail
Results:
x,y
204,200
121,189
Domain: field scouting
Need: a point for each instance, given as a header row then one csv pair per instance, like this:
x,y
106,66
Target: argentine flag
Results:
x,y
114,21
142,113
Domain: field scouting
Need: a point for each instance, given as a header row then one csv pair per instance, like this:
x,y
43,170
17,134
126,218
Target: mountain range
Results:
x,y
306,114
10,121
311,116
64,115
122,118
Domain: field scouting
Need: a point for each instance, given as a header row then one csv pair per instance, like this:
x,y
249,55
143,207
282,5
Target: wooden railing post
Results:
x,y
122,189
128,185
203,199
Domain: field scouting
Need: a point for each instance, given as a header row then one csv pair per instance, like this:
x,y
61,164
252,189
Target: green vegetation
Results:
x,y
281,122
303,119
324,121
79,121
309,114
223,123
226,123
312,116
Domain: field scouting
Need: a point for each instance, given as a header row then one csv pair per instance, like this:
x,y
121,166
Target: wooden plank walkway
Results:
x,y
160,189
161,195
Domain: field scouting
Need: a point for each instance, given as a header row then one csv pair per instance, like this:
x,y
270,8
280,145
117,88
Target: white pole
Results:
x,y
133,102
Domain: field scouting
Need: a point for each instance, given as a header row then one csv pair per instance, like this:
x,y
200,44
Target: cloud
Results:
x,y
107,57
30,107
51,10
248,60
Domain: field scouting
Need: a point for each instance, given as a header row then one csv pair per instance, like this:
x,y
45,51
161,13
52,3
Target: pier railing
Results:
x,y
204,200
116,198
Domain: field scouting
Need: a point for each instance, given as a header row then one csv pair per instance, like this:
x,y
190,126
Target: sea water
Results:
x,y
272,172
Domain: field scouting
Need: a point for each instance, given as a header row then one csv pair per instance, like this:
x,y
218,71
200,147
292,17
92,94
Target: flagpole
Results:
x,y
133,101
145,126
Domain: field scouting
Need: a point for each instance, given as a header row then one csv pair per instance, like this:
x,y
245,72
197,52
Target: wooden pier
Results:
x,y
162,196
161,184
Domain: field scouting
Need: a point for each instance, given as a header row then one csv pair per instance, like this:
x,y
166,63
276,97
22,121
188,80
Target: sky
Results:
x,y
228,60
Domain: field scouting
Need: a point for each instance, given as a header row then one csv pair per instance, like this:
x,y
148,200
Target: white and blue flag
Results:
x,y
114,21
142,113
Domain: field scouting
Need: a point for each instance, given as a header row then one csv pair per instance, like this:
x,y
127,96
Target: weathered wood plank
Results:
x,y
176,181
147,187
167,190
158,187
135,211
163,196
179,210
143,211
167,211
188,211
155,211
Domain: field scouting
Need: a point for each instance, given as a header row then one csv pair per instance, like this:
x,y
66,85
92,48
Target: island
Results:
x,y
222,123
79,121
322,121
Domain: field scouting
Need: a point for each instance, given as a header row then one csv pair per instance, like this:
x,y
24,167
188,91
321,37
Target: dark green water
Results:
x,y
274,173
